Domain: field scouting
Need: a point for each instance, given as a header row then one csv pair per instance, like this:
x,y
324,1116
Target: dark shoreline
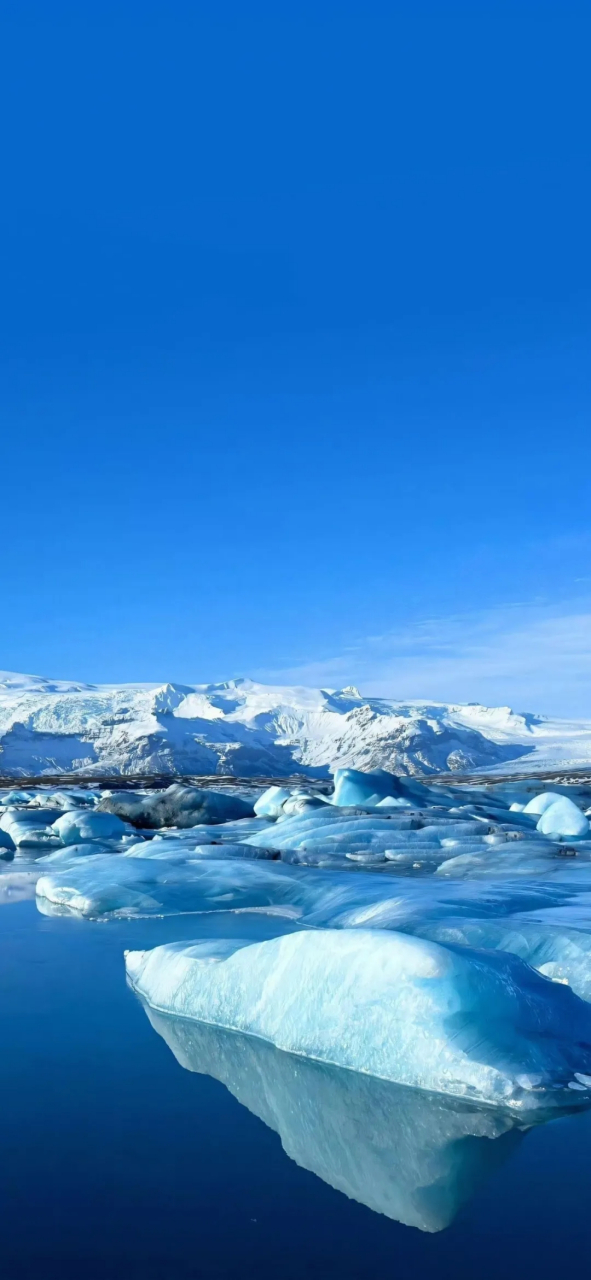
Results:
x,y
158,781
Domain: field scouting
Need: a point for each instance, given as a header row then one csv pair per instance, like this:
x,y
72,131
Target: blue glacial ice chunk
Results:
x,y
204,833
73,798
518,858
81,825
415,842
332,828
10,798
473,1024
140,883
563,818
540,803
330,898
413,1156
301,802
394,802
129,805
366,790
226,849
31,828
64,857
351,787
270,803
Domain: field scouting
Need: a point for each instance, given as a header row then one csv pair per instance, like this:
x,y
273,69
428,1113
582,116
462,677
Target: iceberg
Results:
x,y
227,849
270,804
538,804
473,1024
416,842
73,798
563,818
79,825
13,797
353,787
470,872
31,828
413,1156
178,806
141,883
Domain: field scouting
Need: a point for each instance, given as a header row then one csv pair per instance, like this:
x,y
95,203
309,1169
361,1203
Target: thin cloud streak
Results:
x,y
531,656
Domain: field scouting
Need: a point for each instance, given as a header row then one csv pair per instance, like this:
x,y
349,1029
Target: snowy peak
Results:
x,y
244,728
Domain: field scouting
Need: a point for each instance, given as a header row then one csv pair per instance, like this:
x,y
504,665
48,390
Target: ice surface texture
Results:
x,y
146,882
478,1025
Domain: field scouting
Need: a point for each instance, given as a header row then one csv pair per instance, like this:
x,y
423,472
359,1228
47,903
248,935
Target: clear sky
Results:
x,y
295,325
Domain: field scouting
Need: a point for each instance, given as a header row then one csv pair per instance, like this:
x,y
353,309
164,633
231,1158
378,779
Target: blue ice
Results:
x,y
477,1025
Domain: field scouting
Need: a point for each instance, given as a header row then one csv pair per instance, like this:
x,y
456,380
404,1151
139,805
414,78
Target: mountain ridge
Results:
x,y
244,728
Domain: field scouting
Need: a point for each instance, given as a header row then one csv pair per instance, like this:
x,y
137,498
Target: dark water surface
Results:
x,y
115,1161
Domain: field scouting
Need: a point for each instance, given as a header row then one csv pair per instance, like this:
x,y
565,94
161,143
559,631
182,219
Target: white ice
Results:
x,y
482,1026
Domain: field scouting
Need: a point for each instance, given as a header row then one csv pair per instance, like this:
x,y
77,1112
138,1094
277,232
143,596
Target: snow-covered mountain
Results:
x,y
247,729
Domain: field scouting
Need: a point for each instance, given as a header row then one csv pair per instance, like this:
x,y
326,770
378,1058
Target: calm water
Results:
x,y
116,1161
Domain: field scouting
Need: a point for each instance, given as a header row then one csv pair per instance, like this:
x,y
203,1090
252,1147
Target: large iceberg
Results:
x,y
478,1025
413,1156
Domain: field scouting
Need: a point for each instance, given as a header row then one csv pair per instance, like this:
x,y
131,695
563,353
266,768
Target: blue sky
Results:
x,y
295,345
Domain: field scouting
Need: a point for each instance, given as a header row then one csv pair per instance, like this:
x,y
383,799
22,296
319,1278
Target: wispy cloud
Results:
x,y
532,656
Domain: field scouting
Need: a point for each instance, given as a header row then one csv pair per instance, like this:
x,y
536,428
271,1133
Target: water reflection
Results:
x,y
17,886
412,1156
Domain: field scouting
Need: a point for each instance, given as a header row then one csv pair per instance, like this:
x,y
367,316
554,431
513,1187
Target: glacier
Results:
x,y
246,729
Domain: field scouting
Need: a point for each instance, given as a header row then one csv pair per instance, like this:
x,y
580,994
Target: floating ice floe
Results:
x,y
145,882
270,803
478,1025
563,818
353,787
79,825
31,828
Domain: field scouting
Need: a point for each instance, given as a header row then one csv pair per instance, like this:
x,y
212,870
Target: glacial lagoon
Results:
x,y
138,1142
